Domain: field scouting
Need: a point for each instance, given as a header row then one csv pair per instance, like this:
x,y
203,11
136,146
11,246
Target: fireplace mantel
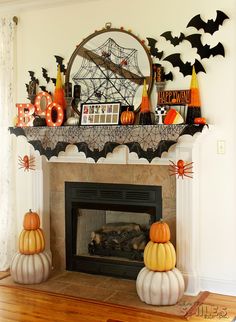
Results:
x,y
148,141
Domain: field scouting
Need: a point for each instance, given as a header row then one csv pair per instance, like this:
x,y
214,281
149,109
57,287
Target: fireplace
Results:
x,y
180,198
125,211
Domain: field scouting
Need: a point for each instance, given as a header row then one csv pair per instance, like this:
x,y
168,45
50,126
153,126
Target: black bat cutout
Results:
x,y
210,26
59,61
43,88
168,76
31,73
153,50
173,40
54,80
204,51
184,68
45,75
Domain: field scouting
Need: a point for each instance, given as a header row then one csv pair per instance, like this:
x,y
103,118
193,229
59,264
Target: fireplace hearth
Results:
x,y
90,206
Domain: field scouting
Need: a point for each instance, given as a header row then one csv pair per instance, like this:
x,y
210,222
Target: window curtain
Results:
x,y
8,223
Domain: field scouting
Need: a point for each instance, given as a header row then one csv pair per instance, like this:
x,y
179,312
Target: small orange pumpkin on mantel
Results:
x,y
159,232
127,117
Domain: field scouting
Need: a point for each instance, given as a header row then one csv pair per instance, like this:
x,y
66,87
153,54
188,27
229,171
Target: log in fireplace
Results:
x,y
87,206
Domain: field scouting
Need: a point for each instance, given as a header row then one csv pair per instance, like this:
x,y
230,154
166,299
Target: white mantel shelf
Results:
x,y
147,141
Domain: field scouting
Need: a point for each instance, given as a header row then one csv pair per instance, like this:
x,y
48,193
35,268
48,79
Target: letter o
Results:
x,y
37,102
60,114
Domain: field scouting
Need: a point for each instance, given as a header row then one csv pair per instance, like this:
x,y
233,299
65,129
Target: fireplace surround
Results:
x,y
124,198
44,192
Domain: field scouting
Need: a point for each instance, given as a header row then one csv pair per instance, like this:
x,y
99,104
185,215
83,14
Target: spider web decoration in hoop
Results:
x,y
109,73
110,66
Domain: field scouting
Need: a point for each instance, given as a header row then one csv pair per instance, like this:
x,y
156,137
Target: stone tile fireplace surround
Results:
x,y
180,197
103,173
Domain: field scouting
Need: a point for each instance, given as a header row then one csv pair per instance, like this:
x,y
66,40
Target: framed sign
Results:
x,y
100,113
174,97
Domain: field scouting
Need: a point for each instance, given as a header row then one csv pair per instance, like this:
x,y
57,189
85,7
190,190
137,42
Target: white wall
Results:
x,y
45,32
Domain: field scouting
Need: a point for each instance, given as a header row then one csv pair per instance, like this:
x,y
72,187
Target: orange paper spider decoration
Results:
x,y
27,163
181,169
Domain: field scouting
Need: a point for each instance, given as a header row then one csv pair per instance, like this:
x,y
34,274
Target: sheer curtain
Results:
x,y
7,112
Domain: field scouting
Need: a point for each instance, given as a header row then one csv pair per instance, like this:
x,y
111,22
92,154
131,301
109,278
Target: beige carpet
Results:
x,y
109,290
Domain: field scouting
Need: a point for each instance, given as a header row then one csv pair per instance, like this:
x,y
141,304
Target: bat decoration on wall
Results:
x,y
204,51
153,50
43,88
210,26
184,68
45,75
32,77
168,76
59,61
54,80
173,40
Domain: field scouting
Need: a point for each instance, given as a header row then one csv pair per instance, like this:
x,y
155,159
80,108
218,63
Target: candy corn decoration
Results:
x,y
173,117
59,94
144,108
145,115
194,107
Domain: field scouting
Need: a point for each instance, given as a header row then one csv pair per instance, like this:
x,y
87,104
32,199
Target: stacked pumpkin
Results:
x,y
160,282
31,265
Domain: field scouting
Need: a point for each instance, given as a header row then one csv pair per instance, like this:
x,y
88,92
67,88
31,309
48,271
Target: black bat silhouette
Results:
x,y
54,80
43,88
32,77
204,51
153,50
45,75
184,68
59,61
168,76
173,40
210,26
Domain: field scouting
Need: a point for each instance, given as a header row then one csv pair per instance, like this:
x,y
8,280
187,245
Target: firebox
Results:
x,y
107,226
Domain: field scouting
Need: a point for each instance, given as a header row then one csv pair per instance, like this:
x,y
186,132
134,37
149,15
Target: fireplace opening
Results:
x,y
107,226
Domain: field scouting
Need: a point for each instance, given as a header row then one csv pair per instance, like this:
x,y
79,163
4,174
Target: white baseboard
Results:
x,y
195,284
225,287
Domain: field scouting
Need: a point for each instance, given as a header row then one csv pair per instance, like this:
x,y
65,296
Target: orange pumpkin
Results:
x,y
127,117
31,242
199,120
159,232
31,221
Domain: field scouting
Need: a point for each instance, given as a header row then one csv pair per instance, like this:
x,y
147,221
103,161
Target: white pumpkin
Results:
x,y
160,288
73,120
30,269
